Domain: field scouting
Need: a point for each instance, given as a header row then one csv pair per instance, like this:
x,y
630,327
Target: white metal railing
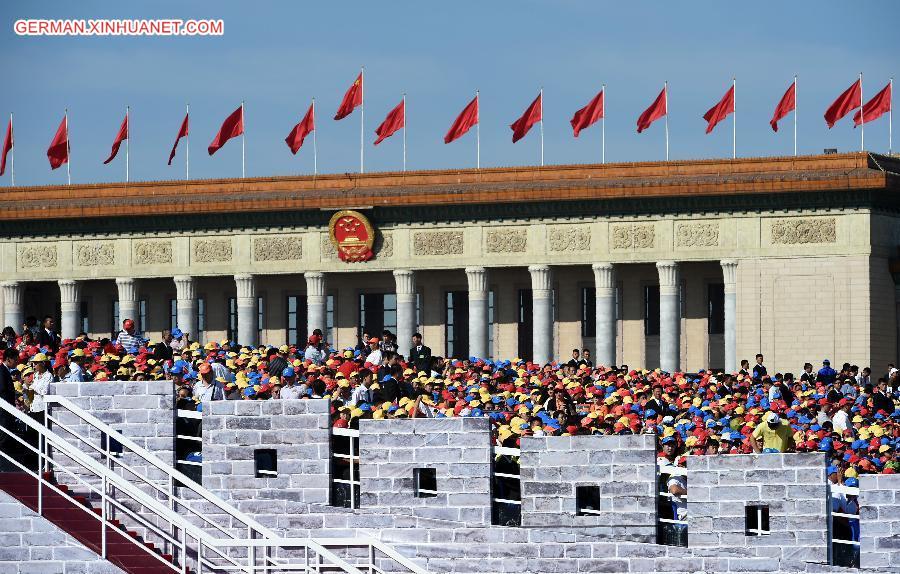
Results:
x,y
496,501
671,470
840,492
351,460
190,415
257,553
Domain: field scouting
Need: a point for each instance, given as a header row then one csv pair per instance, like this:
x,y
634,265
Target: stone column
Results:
x,y
478,312
669,317
70,303
315,302
406,308
542,313
247,312
13,311
128,301
605,290
186,297
729,273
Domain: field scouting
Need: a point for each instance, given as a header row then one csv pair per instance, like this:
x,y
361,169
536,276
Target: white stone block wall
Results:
x,y
31,544
458,448
792,485
623,467
879,513
299,432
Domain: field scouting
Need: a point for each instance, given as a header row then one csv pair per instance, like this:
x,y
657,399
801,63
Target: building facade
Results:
x,y
683,265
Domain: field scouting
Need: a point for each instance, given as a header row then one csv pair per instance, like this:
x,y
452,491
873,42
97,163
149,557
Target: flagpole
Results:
x,y
862,117
542,126
315,146
187,144
405,121
68,152
12,159
733,118
362,115
795,115
602,126
127,139
243,140
890,119
666,92
478,133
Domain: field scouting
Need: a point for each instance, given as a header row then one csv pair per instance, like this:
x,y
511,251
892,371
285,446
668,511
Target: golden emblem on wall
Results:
x,y
352,235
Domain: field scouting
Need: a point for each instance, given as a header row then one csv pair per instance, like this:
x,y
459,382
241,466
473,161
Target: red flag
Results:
x,y
353,98
395,120
586,116
232,127
463,122
120,137
531,116
787,105
181,133
58,152
7,145
294,140
656,110
849,100
874,108
720,111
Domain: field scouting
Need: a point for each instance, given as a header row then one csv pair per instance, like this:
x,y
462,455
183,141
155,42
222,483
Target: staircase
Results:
x,y
123,548
115,499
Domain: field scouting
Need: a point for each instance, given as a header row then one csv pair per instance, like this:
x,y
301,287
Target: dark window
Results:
x,y
266,461
651,310
173,313
456,327
378,312
260,318
201,320
490,348
329,319
716,309
525,324
115,319
232,318
296,319
587,500
142,316
85,323
588,312
425,480
756,519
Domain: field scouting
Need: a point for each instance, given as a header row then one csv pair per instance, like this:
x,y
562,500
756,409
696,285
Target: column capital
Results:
x,y
185,286
12,293
127,287
541,278
69,290
729,274
315,283
668,277
604,275
246,286
406,281
477,277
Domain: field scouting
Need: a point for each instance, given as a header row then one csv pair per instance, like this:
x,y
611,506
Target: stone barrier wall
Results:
x,y
791,486
621,468
459,451
879,514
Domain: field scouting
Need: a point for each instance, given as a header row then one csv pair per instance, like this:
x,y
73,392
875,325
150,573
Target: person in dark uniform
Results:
x,y
8,444
420,354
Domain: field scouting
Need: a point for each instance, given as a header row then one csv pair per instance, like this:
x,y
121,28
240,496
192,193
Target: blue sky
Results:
x,y
278,55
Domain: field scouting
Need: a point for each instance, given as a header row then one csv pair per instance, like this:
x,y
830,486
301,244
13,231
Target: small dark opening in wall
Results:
x,y
425,480
756,520
587,500
266,462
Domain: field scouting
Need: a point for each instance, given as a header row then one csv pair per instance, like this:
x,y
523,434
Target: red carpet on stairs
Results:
x,y
74,519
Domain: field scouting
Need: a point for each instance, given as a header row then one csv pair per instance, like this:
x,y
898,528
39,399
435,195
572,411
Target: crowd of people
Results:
x,y
847,414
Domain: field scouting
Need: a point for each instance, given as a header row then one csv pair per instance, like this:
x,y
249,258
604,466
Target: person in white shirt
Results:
x,y
76,371
314,351
374,356
289,389
841,418
361,394
39,386
207,387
